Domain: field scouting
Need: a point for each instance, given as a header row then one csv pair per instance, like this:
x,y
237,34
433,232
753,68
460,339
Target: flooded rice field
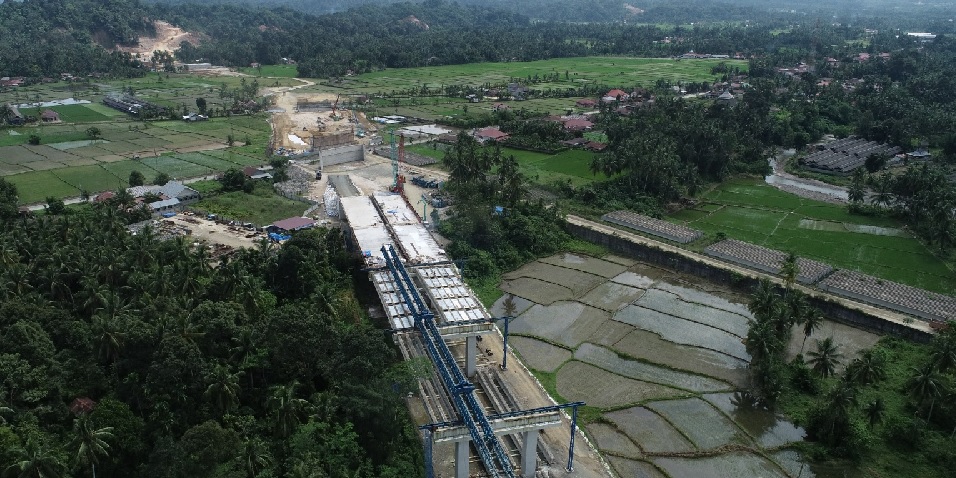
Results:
x,y
662,355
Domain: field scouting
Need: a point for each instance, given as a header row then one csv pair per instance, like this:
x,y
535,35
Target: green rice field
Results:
x,y
67,162
610,71
752,211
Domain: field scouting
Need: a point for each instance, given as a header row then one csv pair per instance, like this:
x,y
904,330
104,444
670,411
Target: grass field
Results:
x,y
70,113
751,211
610,71
571,165
262,207
275,71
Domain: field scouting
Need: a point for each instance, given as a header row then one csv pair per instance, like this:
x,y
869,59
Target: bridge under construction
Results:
x,y
497,417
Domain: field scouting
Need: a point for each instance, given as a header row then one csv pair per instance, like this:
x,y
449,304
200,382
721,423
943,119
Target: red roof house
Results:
x,y
578,125
490,134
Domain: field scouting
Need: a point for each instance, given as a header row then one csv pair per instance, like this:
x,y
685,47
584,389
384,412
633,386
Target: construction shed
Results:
x,y
291,224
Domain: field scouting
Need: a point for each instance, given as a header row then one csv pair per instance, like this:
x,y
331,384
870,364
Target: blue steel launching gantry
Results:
x,y
429,305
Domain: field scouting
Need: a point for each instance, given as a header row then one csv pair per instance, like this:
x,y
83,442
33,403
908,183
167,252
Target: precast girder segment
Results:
x,y
493,456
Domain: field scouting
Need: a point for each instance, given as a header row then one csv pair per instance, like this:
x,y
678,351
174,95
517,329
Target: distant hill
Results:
x,y
642,11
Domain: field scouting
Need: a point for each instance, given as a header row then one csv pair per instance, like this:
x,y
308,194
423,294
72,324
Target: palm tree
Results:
x,y
90,442
224,389
764,300
811,322
109,335
255,456
874,411
34,461
869,367
926,384
287,407
884,190
943,354
826,358
790,270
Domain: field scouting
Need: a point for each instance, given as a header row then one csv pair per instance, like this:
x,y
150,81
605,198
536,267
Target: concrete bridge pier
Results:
x,y
529,453
471,355
461,458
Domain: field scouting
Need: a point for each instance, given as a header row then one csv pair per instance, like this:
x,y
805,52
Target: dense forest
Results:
x,y
365,38
644,11
127,355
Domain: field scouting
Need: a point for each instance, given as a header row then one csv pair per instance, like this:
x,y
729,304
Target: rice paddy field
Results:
x,y
659,360
67,162
611,72
752,211
603,70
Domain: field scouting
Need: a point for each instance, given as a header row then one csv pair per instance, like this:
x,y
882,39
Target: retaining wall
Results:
x,y
340,154
743,281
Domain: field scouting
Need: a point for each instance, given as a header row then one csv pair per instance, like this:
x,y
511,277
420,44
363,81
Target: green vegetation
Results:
x,y
885,408
614,71
133,356
272,71
261,207
751,211
67,161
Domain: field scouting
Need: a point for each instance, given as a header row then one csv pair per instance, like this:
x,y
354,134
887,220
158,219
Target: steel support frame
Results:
x,y
492,454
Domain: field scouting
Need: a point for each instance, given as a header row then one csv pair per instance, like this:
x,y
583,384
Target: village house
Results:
x,y
256,173
50,116
576,124
490,133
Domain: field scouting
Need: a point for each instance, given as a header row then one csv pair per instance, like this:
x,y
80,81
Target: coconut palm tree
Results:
x,y
790,270
811,322
255,456
764,301
34,461
826,358
288,408
874,411
943,354
90,442
109,336
223,391
925,384
869,367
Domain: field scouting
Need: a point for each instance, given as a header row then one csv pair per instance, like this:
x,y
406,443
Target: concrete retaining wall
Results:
x,y
743,282
340,154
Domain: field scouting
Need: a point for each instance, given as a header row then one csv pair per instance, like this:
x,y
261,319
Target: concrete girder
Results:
x,y
502,426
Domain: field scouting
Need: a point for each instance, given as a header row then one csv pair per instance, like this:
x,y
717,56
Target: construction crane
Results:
x,y
335,107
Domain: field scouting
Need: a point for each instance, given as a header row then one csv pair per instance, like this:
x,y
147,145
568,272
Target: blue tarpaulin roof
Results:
x,y
169,214
279,237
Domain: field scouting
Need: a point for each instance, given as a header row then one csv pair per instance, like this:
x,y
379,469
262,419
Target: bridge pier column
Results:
x,y
529,453
461,458
471,355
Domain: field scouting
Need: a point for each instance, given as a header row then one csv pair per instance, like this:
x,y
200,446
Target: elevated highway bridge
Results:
x,y
434,314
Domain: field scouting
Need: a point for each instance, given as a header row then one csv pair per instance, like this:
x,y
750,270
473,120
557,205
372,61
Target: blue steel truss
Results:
x,y
493,455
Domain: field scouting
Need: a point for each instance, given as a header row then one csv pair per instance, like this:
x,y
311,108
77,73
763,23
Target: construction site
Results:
x,y
482,413
307,122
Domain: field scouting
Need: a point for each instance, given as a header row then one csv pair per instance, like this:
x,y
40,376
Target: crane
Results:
x,y
335,115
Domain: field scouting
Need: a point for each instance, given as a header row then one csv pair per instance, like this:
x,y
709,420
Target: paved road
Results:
x,y
808,188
